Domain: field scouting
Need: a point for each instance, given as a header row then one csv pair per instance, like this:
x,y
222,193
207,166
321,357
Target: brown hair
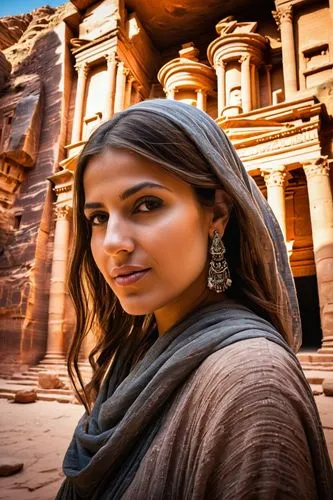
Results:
x,y
120,336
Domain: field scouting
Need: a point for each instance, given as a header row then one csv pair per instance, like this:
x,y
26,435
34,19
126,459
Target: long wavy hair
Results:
x,y
121,336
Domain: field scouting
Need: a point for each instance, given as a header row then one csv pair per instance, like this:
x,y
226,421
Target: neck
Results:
x,y
170,315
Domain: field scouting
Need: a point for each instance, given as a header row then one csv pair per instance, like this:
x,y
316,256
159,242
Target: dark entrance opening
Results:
x,y
307,293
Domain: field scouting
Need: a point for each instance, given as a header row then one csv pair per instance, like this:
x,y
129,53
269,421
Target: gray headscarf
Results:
x,y
108,445
221,155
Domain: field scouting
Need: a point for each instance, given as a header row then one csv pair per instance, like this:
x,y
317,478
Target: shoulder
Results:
x,y
253,359
253,371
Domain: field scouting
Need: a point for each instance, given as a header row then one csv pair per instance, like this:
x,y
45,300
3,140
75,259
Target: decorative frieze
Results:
x,y
279,143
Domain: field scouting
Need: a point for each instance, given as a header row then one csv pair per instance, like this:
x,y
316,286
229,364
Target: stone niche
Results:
x,y
19,145
23,141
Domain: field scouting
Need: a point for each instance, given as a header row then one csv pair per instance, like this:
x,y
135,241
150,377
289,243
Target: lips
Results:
x,y
131,277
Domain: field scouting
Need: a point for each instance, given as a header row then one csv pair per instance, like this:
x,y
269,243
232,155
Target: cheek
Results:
x,y
183,249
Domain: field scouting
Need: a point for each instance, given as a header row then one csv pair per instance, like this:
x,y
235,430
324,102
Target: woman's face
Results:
x,y
149,233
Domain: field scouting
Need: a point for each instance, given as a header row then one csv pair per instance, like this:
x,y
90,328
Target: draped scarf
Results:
x,y
109,444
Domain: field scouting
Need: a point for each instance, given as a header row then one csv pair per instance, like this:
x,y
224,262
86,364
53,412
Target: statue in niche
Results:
x,y
234,102
235,97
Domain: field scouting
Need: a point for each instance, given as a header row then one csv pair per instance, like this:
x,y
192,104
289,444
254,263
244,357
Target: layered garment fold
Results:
x,y
107,458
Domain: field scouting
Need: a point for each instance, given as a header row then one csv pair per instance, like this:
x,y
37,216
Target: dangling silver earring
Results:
x,y
218,275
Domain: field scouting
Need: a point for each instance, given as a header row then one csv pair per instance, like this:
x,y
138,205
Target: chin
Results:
x,y
136,308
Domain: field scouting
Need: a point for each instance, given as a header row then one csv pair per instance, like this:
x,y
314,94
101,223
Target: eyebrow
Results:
x,y
134,189
129,192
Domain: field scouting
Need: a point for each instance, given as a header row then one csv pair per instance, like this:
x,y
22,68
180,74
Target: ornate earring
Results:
x,y
218,275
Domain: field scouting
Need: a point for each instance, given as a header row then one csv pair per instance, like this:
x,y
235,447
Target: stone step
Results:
x,y
315,357
62,370
13,386
42,395
30,383
317,376
37,369
7,395
317,389
318,366
35,375
31,378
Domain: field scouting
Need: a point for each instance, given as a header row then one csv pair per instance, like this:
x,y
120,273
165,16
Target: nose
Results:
x,y
117,237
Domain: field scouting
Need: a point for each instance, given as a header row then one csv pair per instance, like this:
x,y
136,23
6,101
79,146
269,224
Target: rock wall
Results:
x,y
39,73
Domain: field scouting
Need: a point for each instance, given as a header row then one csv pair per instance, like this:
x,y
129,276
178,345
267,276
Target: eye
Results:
x,y
97,219
148,204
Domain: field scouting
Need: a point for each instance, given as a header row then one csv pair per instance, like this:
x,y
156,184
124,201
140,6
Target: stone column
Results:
x,y
284,19
220,73
246,83
170,93
321,213
268,68
201,99
82,69
55,347
111,62
275,183
120,87
128,91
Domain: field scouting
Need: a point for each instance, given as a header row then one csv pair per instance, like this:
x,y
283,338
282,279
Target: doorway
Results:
x,y
307,293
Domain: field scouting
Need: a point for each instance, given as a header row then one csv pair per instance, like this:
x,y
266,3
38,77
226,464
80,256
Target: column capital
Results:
x,y
283,15
202,91
245,58
111,57
122,68
220,64
63,212
82,68
127,72
275,178
319,167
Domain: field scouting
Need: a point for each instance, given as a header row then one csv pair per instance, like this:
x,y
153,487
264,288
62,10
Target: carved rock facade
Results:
x,y
268,84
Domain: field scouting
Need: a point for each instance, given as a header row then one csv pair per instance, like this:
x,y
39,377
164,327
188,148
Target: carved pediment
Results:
x,y
240,129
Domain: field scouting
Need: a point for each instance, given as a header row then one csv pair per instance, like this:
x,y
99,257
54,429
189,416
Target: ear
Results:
x,y
221,212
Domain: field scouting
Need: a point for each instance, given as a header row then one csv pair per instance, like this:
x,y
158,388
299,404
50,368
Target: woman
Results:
x,y
180,267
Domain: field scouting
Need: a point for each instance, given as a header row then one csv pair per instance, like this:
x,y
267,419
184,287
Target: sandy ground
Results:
x,y
38,434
